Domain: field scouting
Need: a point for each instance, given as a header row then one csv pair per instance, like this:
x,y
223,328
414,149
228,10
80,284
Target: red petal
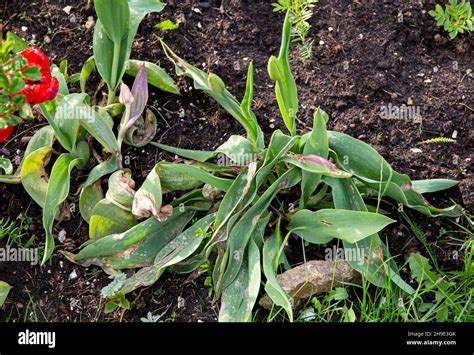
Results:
x,y
36,58
38,93
5,133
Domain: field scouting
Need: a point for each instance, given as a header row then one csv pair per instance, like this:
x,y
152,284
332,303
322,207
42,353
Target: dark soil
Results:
x,y
367,55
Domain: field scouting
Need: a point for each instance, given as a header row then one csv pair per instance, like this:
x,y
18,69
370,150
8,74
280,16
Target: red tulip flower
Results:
x,y
5,133
47,87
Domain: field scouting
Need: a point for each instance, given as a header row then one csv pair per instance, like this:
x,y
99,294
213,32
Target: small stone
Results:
x,y
73,275
321,42
62,236
181,302
416,150
455,134
410,101
90,22
67,9
47,39
24,28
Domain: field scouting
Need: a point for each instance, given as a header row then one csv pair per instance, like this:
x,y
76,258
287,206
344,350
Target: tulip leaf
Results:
x,y
371,254
371,168
271,251
285,88
175,177
137,247
432,185
322,226
316,165
111,55
57,192
107,218
238,298
115,18
65,122
97,127
86,71
89,198
175,251
105,168
33,174
317,144
241,233
157,76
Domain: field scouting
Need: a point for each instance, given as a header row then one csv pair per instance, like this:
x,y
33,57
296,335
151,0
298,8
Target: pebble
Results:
x,y
62,236
24,28
90,22
67,9
455,134
73,275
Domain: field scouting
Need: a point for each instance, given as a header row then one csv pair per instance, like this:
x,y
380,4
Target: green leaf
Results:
x,y
4,290
56,194
280,71
33,174
239,297
421,270
372,169
175,177
322,226
18,43
111,57
237,148
137,247
105,168
97,127
32,73
107,218
317,144
114,17
89,198
271,250
175,251
65,122
167,25
432,185
157,76
241,233
43,138
86,71
369,252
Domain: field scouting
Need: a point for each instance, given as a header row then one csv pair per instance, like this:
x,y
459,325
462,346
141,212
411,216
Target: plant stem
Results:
x,y
113,79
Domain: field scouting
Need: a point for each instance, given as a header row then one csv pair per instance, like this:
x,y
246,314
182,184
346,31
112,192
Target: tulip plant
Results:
x,y
318,186
79,129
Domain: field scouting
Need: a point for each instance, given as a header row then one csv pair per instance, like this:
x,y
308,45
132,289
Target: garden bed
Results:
x,y
366,56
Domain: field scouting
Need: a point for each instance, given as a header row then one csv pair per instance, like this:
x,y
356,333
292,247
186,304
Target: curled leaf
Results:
x,y
121,189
